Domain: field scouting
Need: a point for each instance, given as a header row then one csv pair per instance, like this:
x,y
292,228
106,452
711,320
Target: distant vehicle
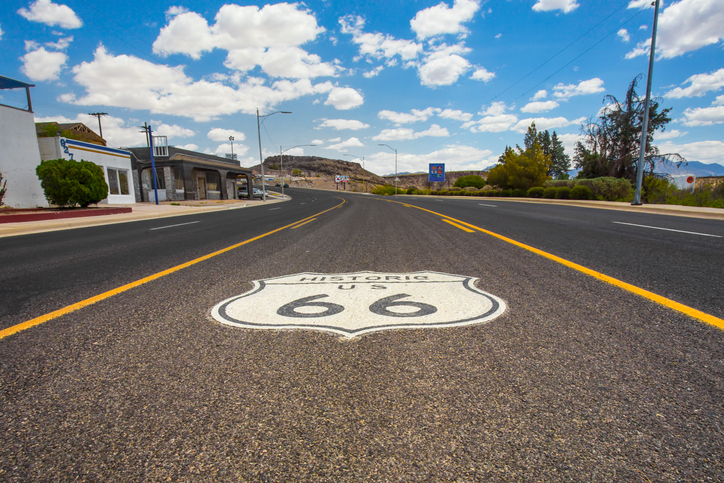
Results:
x,y
242,192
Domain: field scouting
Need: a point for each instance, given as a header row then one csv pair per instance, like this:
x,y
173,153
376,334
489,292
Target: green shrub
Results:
x,y
504,193
491,193
563,193
518,193
455,188
536,192
384,190
470,181
471,188
657,190
435,192
70,183
581,192
550,192
604,188
411,190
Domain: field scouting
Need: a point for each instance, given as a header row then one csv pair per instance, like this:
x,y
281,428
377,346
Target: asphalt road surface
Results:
x,y
578,375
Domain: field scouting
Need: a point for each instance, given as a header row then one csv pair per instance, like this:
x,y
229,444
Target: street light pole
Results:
x,y
645,124
364,180
395,164
281,160
261,158
231,140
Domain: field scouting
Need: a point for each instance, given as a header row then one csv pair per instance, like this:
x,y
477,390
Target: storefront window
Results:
x,y
117,181
212,181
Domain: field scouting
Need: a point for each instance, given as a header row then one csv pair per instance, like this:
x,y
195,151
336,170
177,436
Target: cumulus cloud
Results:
x,y
704,151
42,65
541,94
624,35
482,74
130,82
341,124
545,123
219,134
376,45
444,67
342,147
455,115
51,14
171,130
703,116
374,72
415,115
700,85
400,134
590,86
270,37
344,98
674,133
685,26
188,147
441,19
455,157
547,5
539,106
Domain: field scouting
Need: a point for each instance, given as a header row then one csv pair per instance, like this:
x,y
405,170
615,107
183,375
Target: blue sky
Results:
x,y
453,81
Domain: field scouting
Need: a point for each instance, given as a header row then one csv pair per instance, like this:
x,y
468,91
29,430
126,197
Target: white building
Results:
x,y
19,154
116,164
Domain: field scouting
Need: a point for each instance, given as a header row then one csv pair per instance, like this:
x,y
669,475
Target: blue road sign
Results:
x,y
437,173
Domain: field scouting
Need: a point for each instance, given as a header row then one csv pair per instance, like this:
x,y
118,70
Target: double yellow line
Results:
x,y
90,301
684,309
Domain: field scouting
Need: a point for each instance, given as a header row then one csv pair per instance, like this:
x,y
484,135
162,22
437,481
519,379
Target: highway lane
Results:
x,y
46,271
577,380
642,249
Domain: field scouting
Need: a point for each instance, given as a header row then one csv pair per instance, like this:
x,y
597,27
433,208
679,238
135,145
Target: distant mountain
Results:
x,y
314,165
697,168
402,173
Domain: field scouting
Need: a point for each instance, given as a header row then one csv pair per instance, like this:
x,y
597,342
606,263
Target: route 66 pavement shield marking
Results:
x,y
352,304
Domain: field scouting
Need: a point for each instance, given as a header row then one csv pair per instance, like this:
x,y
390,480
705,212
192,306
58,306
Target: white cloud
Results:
x,y
130,82
642,48
700,85
442,68
547,5
545,123
377,45
569,142
400,134
624,35
51,14
541,94
674,133
639,4
344,98
495,109
539,106
188,147
415,115
219,134
374,72
590,86
116,131
225,148
171,130
342,147
703,116
455,115
269,37
441,19
482,74
318,142
340,124
704,151
455,157
684,26
41,65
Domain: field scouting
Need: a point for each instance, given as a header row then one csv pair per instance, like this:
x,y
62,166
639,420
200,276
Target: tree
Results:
x,y
70,183
612,143
552,147
472,180
521,168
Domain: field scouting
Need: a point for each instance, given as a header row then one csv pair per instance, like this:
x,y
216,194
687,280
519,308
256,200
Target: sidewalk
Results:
x,y
141,211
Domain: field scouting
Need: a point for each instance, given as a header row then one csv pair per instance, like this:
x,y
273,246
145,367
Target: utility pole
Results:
x,y
98,115
149,136
645,124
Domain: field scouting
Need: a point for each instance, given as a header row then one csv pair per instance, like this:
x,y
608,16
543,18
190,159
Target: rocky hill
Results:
x,y
314,166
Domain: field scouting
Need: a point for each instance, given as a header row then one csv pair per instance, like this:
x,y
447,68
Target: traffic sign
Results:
x,y
352,304
437,173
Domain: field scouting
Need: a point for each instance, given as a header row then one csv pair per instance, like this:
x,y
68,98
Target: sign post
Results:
x,y
436,173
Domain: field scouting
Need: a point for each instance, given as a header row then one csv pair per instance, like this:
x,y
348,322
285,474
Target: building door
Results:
x,y
202,188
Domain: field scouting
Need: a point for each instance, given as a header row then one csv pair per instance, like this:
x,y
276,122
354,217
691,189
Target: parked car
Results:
x,y
242,192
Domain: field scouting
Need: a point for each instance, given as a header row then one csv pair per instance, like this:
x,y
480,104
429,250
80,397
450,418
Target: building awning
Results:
x,y
8,83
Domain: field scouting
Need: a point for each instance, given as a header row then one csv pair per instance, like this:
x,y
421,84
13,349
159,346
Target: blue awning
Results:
x,y
8,83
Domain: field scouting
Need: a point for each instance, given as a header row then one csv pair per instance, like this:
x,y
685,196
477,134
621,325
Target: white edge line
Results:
x,y
668,229
171,226
482,204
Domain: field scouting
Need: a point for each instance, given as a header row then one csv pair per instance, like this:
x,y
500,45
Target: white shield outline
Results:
x,y
497,307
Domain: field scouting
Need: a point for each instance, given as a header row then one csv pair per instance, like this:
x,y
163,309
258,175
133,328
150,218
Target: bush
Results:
x,y
455,188
3,188
504,193
471,188
581,192
470,181
384,190
536,192
563,193
604,188
411,190
70,183
518,193
550,192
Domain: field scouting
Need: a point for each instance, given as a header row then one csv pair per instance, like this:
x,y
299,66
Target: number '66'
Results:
x,y
380,307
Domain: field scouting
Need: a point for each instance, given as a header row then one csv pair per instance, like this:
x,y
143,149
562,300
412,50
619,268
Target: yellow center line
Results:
x,y
465,229
90,301
302,224
684,309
